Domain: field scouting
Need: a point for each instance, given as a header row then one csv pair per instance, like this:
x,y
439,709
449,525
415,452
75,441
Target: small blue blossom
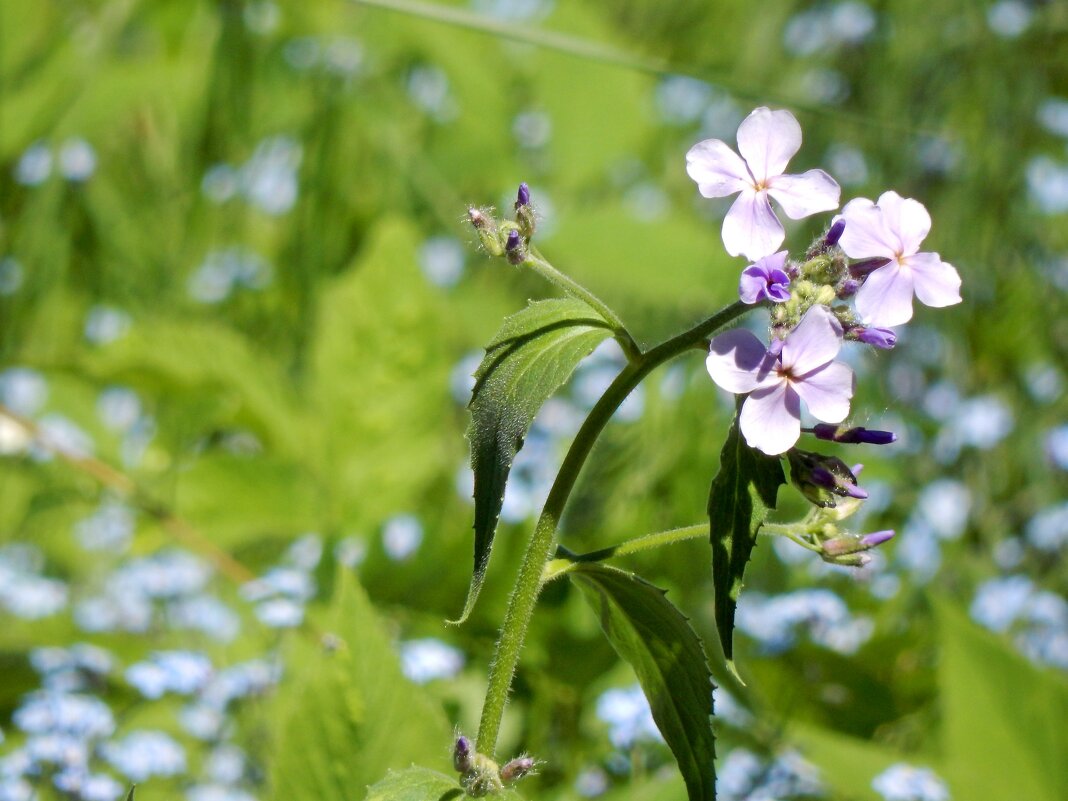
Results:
x,y
181,672
629,718
401,536
217,792
141,755
105,324
23,390
1048,529
442,260
903,782
204,613
34,165
428,659
81,716
77,160
11,275
109,528
280,613
773,620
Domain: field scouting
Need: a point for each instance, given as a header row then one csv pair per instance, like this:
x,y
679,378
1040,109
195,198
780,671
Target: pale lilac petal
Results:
x,y
771,419
885,299
805,194
827,391
735,360
865,235
907,219
767,141
718,170
815,341
936,282
751,228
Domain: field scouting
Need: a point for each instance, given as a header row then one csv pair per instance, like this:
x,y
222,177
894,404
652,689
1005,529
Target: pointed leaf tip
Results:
x,y
742,493
530,357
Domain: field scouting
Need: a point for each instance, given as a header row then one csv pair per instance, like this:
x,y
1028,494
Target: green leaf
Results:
x,y
347,715
1004,718
532,354
656,639
742,492
130,795
848,764
415,784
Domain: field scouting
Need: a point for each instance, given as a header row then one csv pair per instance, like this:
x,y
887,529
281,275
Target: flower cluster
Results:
x,y
870,254
810,319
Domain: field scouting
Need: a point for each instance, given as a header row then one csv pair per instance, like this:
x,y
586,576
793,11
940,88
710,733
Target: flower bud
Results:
x,y
523,196
853,543
517,769
883,338
524,212
862,269
514,248
852,436
461,755
486,228
848,288
834,233
823,479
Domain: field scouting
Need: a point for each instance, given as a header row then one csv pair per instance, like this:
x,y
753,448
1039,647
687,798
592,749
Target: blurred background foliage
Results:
x,y
233,268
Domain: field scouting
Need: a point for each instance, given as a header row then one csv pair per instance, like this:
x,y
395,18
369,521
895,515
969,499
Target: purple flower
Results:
x,y
893,229
853,436
804,370
765,279
767,140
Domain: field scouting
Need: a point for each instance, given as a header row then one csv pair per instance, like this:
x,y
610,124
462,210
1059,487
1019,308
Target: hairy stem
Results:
x,y
566,560
542,544
536,262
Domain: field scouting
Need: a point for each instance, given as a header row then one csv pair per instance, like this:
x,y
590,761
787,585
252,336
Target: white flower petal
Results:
x,y
805,194
885,298
815,341
827,391
718,170
936,282
771,419
865,235
751,228
734,360
767,141
907,219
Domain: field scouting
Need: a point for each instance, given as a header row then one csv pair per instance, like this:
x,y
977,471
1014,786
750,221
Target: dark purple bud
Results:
x,y
523,197
834,233
517,769
862,269
848,288
461,755
853,436
877,538
823,479
883,338
513,240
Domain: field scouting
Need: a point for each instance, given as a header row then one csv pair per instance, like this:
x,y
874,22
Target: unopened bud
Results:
x,y
517,769
823,479
862,269
849,559
848,288
853,543
461,755
852,436
486,228
524,212
513,247
883,338
834,233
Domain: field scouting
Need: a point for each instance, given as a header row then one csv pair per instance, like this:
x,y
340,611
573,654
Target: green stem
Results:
x,y
536,262
789,531
566,560
542,544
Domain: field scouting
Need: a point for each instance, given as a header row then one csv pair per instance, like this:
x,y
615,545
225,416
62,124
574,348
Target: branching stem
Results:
x,y
542,545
